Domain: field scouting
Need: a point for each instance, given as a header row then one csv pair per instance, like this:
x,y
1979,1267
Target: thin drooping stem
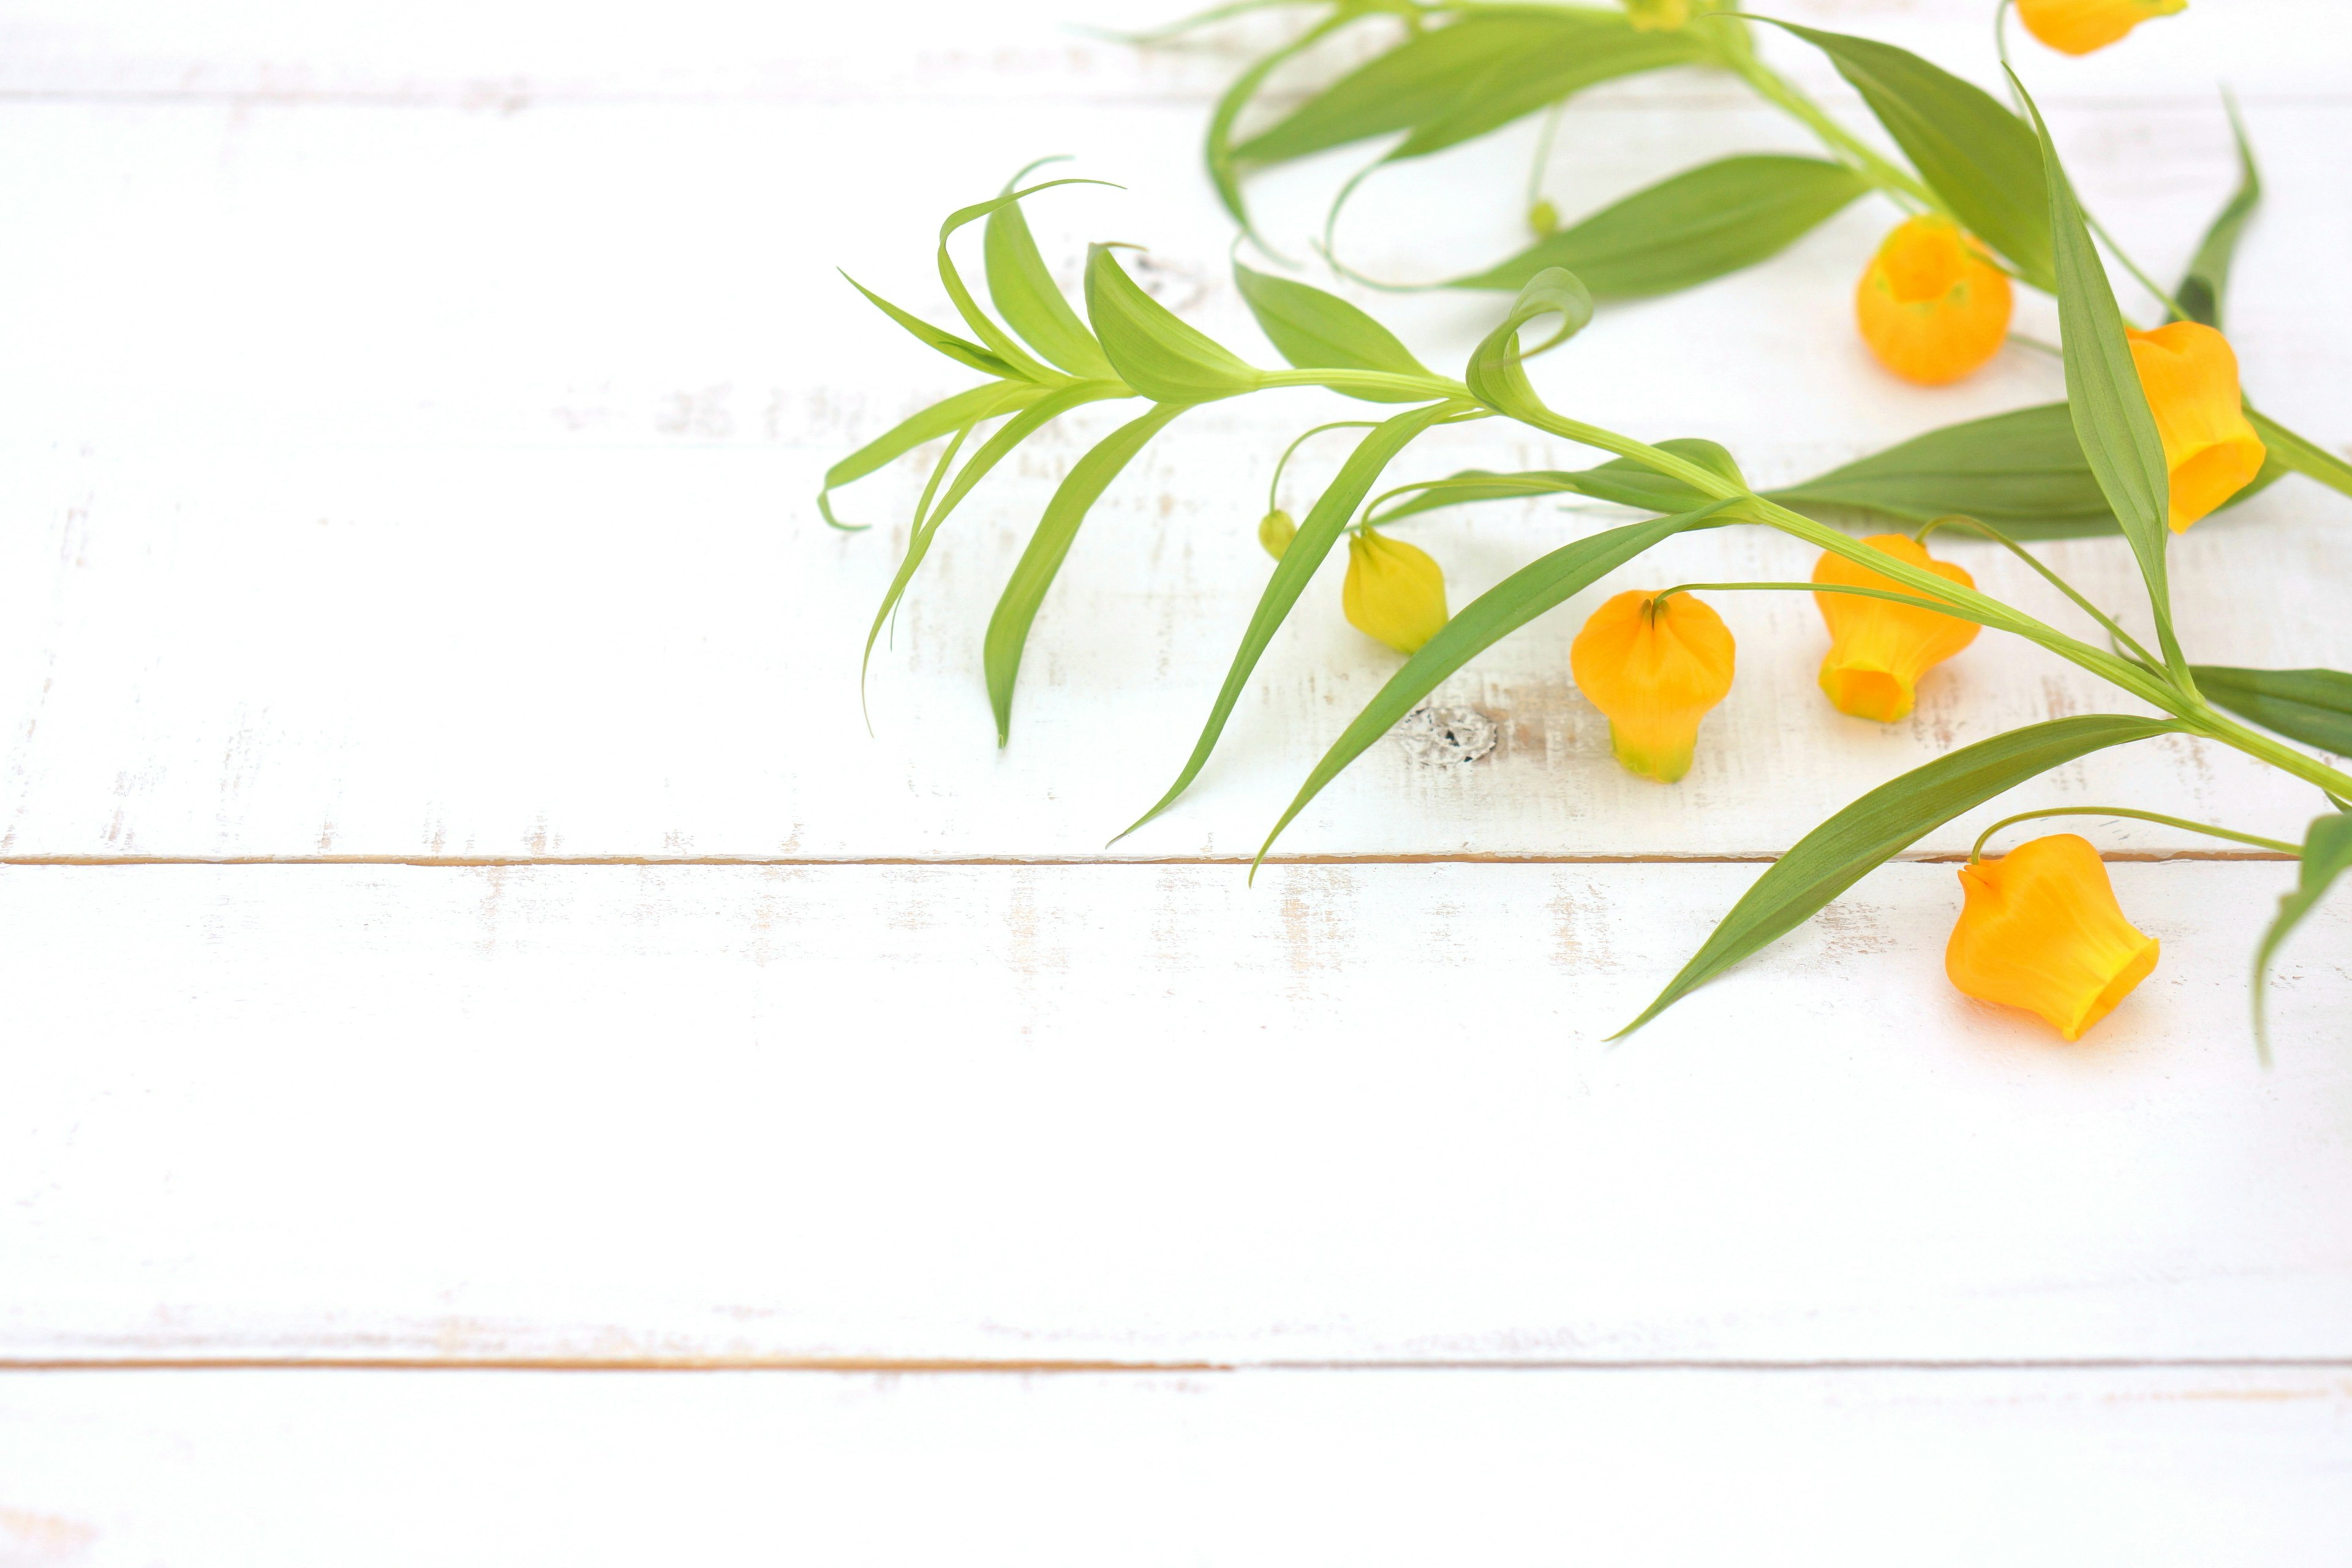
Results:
x,y
1976,850
1273,485
2055,581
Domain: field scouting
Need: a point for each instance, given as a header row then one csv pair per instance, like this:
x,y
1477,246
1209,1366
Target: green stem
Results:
x,y
2303,456
2055,581
2285,758
1273,485
1976,850
1785,95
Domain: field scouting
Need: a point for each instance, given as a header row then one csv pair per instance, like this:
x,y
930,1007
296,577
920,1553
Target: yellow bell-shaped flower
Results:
x,y
2078,27
1394,592
2190,376
1930,305
1654,666
1879,649
1657,15
2040,929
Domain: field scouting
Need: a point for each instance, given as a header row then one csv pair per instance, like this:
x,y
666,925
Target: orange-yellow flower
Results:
x,y
1930,305
2190,376
2078,27
2040,929
1394,592
1655,667
1879,649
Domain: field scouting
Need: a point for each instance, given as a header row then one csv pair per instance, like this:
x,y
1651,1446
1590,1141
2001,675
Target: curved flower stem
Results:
x,y
1976,850
2055,581
1273,485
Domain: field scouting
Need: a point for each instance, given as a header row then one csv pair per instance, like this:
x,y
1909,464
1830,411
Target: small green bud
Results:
x,y
1543,217
1276,530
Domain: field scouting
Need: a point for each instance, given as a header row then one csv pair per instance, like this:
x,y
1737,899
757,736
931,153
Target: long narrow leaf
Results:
x,y
1315,330
2305,456
2208,278
1443,75
959,349
1621,481
1974,154
1697,225
1153,350
1025,295
2326,855
2102,391
998,341
1496,374
942,418
1019,428
1883,823
1324,522
2314,705
1542,584
2023,472
1225,170
1016,607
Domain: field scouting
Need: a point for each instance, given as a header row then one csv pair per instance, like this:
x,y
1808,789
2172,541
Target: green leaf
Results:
x,y
1448,83
1022,426
1024,293
1224,172
2303,456
959,349
2023,472
1497,375
1621,481
942,418
1975,155
1315,330
1308,547
1579,55
1882,825
2208,278
1540,585
1153,351
2314,705
1700,224
2326,855
1016,608
2102,392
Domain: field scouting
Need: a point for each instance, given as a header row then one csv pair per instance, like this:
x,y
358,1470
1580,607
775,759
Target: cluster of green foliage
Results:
x,y
2093,461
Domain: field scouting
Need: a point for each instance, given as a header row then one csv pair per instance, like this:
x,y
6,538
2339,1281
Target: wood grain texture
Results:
x,y
261,1469
451,493
1077,1114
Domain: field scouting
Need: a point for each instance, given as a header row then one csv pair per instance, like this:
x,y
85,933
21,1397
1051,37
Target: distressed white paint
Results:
x,y
2173,1469
450,492
410,420
1086,1112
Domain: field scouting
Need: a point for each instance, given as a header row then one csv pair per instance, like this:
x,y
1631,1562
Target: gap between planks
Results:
x,y
917,1366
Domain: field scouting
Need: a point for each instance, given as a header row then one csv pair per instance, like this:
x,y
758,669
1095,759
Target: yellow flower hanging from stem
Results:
x,y
1394,591
2079,27
2211,451
2040,929
1879,649
1655,663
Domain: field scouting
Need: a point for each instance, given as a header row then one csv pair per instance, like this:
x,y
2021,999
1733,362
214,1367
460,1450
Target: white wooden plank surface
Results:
x,y
258,1470
450,493
1138,1113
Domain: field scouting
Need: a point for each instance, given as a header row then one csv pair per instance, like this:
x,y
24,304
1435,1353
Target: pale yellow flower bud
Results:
x,y
1657,15
1276,530
1394,592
